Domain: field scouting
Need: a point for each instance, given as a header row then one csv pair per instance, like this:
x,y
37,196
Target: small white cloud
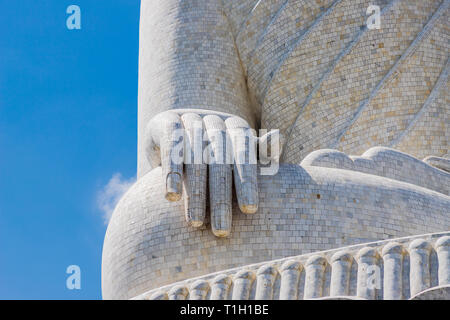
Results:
x,y
111,193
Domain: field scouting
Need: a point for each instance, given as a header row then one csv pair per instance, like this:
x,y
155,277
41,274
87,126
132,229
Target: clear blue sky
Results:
x,y
68,115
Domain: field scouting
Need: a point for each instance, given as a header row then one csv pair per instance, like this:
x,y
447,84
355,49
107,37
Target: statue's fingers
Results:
x,y
195,170
245,167
220,176
172,148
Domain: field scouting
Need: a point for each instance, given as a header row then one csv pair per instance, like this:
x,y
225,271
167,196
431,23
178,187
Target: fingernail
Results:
x,y
221,233
249,198
248,208
196,223
221,220
195,216
173,187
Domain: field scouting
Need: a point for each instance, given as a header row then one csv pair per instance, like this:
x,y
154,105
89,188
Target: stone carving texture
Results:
x,y
301,209
394,253
359,88
344,97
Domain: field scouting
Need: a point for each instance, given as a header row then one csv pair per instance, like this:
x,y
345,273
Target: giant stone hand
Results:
x,y
194,146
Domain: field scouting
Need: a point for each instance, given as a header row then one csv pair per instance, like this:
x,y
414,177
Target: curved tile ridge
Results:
x,y
436,293
438,162
285,29
241,26
261,16
390,112
320,20
430,134
312,58
238,12
394,70
390,269
434,93
328,112
385,162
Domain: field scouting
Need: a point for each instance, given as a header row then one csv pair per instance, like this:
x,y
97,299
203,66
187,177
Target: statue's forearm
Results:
x,y
188,59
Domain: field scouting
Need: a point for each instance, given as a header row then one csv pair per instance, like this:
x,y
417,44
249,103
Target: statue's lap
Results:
x,y
302,209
